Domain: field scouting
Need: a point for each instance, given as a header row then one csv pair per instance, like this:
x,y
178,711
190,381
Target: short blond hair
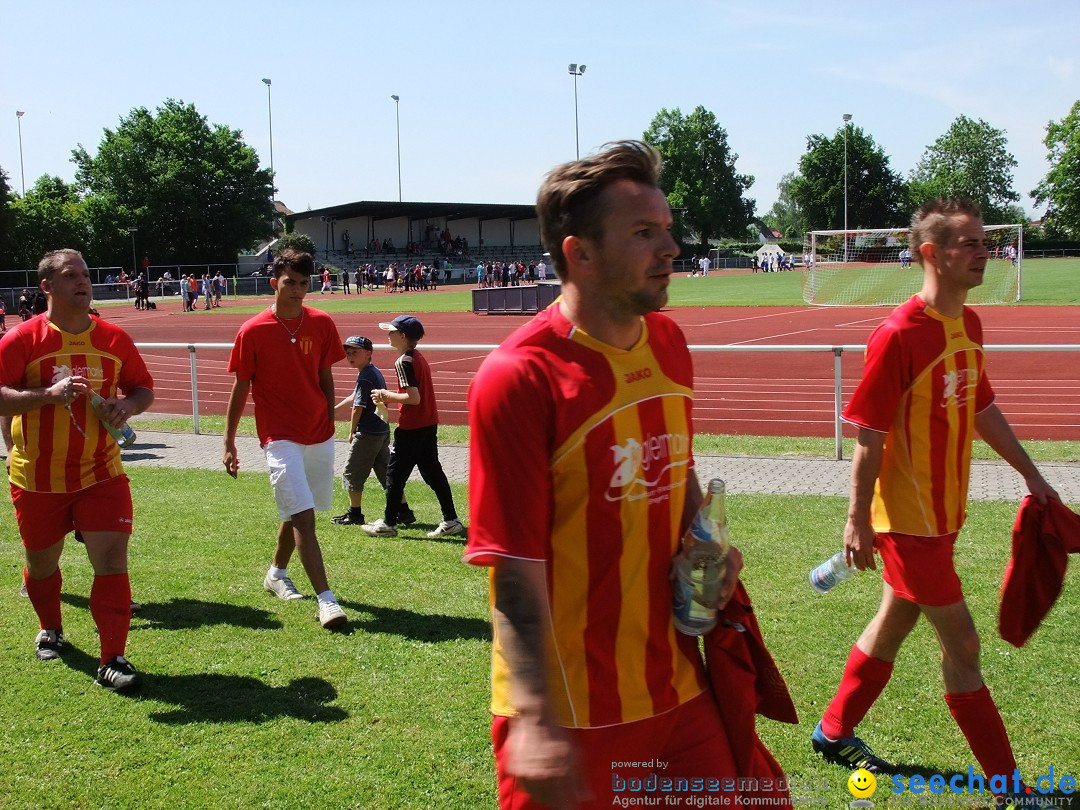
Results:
x,y
55,260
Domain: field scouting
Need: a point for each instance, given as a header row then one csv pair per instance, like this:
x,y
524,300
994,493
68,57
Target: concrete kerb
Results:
x,y
990,481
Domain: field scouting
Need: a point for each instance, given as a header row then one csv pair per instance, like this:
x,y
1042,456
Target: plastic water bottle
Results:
x,y
831,573
700,566
123,435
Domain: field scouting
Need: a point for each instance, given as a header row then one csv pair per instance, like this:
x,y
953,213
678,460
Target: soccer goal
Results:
x,y
876,267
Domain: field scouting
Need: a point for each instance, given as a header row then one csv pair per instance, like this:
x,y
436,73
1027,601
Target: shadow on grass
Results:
x,y
214,698
207,698
416,626
142,451
186,614
417,533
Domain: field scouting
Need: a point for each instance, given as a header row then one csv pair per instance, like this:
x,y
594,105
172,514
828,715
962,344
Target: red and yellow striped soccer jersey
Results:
x,y
579,457
923,385
50,454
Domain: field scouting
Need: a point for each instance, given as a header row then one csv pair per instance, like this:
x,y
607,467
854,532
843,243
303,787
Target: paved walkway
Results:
x,y
990,481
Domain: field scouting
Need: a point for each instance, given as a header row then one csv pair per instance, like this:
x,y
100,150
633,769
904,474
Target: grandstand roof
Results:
x,y
421,210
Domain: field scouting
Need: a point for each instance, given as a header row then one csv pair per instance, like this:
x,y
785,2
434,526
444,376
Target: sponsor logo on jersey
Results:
x,y
62,372
957,384
639,467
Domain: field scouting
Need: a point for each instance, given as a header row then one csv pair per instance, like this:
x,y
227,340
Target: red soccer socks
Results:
x,y
978,717
863,681
110,605
45,597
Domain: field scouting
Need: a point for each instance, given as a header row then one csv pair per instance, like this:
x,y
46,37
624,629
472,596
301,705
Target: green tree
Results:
x,y
297,241
699,174
194,191
785,214
7,223
970,160
876,195
1060,189
50,216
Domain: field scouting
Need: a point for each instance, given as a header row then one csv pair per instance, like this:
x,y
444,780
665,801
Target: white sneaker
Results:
x,y
380,528
331,615
22,590
282,588
447,528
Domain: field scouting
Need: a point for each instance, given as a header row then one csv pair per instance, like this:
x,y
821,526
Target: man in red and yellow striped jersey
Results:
x,y
587,410
923,396
65,470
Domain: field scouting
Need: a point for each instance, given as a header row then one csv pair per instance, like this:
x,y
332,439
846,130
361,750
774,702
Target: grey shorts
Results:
x,y
367,452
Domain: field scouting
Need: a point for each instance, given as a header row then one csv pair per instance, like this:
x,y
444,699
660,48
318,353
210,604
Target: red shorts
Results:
x,y
44,518
920,569
687,746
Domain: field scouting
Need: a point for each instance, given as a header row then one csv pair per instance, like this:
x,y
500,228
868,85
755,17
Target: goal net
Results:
x,y
876,267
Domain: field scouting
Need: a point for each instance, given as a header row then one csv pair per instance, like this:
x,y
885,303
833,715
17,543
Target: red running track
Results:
x,y
770,394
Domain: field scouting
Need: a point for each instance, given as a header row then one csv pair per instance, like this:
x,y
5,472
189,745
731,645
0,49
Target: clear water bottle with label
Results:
x,y
124,435
699,568
831,573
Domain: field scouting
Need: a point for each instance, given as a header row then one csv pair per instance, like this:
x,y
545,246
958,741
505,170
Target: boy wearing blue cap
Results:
x,y
369,431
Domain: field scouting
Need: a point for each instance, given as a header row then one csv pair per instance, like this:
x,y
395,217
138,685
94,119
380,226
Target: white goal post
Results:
x,y
876,267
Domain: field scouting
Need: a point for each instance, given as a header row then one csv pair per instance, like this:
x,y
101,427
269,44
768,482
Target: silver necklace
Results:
x,y
292,332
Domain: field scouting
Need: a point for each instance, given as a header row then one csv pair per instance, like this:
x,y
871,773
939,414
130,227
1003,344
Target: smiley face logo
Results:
x,y
862,784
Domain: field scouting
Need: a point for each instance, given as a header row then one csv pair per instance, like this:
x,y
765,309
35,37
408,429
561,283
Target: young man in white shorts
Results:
x,y
284,357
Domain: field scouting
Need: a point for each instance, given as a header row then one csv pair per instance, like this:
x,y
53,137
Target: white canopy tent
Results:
x,y
769,251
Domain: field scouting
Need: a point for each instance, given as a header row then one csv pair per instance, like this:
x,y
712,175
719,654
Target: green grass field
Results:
x,y
704,443
1046,282
248,703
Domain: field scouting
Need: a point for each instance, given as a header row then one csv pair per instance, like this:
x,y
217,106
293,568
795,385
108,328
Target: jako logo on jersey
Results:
x,y
636,376
956,384
306,344
640,466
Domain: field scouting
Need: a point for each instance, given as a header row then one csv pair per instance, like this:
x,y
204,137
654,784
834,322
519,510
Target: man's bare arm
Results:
x,y
237,401
541,753
14,401
858,533
326,384
994,429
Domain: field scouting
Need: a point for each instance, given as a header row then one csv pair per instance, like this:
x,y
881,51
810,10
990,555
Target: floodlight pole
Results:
x,y
273,179
397,117
575,71
847,118
22,171
270,121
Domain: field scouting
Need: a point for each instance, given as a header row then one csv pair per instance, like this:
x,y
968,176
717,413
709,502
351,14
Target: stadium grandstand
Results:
x,y
419,232
458,235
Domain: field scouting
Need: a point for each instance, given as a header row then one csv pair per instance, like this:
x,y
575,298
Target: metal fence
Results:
x,y
836,351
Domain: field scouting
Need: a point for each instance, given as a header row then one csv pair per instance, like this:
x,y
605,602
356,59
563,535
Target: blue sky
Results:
x,y
487,104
